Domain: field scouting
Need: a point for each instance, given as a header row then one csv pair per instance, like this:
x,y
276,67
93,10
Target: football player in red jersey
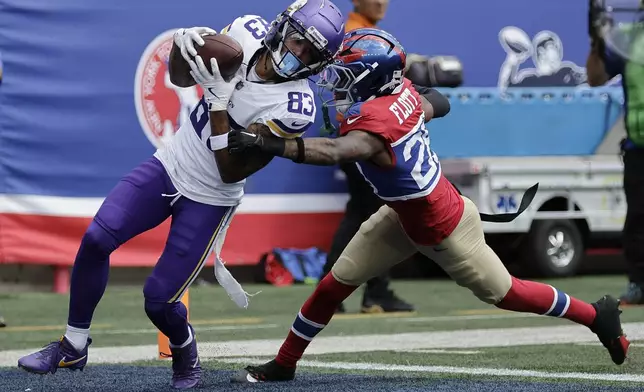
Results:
x,y
384,132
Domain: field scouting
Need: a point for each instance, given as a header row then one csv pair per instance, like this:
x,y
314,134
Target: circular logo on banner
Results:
x,y
160,105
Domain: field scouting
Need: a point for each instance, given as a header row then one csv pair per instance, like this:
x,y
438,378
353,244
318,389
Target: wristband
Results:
x,y
300,150
218,142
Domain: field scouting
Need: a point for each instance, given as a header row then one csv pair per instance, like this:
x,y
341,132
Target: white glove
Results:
x,y
217,91
185,40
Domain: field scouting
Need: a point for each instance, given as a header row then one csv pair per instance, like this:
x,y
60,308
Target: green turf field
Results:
x,y
451,334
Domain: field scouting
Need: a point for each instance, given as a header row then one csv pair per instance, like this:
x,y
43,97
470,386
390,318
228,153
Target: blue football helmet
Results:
x,y
370,64
304,39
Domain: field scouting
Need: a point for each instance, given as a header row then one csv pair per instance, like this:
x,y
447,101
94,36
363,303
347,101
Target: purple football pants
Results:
x,y
140,201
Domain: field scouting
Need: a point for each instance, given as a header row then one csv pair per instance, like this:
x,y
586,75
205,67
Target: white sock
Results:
x,y
77,337
187,342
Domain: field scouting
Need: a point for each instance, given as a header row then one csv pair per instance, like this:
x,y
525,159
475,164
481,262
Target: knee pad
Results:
x,y
97,242
162,309
155,310
351,272
483,274
342,271
488,290
156,289
167,316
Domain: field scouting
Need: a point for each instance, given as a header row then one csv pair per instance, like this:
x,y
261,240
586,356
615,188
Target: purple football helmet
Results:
x,y
304,39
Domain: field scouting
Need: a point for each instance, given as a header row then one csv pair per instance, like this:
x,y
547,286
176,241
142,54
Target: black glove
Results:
x,y
241,140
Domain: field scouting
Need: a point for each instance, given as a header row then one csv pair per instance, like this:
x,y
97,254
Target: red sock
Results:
x,y
312,318
533,297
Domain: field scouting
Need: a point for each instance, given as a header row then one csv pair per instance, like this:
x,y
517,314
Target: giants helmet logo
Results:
x,y
160,105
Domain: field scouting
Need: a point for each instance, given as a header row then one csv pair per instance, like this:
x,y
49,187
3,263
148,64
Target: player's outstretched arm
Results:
x,y
355,146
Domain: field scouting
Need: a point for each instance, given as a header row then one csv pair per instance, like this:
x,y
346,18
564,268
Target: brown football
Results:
x,y
225,49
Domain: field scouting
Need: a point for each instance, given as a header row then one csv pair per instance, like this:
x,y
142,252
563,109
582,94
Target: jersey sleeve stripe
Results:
x,y
225,29
301,127
282,130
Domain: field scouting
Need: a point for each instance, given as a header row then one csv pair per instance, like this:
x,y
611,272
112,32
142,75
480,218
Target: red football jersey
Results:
x,y
428,205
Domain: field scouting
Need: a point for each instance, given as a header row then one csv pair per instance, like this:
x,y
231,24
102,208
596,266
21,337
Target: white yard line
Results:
x,y
441,351
367,366
463,339
431,319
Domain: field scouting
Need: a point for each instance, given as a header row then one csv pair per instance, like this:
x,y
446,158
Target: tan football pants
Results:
x,y
382,243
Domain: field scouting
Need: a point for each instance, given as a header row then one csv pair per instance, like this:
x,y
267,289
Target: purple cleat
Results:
x,y
186,366
55,355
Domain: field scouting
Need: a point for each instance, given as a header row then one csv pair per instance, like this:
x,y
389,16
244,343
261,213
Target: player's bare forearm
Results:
x,y
236,167
178,69
318,151
355,146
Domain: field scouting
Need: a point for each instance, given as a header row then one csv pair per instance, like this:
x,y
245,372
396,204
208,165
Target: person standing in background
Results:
x,y
618,49
363,202
366,13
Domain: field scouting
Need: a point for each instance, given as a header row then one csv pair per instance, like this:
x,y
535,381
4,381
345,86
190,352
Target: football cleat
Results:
x,y
60,354
608,327
186,366
269,372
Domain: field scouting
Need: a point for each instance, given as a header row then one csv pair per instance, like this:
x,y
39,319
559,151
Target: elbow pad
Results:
x,y
436,99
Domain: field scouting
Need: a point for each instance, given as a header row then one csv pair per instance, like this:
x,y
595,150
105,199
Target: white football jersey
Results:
x,y
288,109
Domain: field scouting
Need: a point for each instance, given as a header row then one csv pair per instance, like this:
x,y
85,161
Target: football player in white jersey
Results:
x,y
194,179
